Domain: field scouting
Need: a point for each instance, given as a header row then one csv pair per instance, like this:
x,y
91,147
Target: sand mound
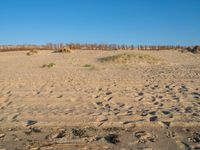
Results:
x,y
131,58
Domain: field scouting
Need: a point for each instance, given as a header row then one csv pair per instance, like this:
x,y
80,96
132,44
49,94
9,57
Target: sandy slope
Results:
x,y
165,97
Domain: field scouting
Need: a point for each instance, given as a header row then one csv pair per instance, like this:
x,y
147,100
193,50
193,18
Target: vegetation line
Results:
x,y
72,46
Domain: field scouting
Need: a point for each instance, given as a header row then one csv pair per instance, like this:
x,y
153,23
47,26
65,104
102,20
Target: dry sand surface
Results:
x,y
80,101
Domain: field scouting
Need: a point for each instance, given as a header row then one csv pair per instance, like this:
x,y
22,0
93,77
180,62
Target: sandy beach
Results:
x,y
77,101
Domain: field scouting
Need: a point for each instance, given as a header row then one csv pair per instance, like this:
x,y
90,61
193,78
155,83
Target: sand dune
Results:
x,y
83,103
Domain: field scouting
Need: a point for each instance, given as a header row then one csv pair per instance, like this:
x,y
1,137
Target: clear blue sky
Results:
x,y
100,21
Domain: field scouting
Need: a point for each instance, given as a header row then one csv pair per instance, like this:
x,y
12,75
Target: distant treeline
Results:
x,y
73,46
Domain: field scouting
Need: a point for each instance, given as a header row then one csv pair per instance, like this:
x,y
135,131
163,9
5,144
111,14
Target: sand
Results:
x,y
80,102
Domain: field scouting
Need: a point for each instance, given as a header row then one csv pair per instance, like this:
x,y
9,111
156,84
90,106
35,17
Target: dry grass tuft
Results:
x,y
194,50
65,49
90,67
32,52
130,57
50,65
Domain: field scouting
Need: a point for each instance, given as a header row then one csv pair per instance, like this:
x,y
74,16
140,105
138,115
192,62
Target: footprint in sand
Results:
x,y
121,105
8,103
188,110
108,93
183,145
112,138
183,89
171,134
144,113
195,137
102,118
144,137
153,119
153,113
110,98
165,123
60,96
13,117
98,103
166,112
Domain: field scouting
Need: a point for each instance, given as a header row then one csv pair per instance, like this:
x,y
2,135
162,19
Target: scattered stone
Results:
x,y
31,122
